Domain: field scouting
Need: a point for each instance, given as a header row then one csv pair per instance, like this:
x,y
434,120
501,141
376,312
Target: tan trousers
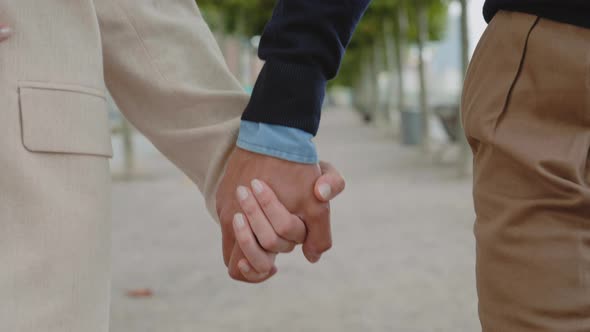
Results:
x,y
527,117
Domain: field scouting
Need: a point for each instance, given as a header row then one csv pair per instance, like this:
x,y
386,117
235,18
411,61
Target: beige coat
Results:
x,y
166,73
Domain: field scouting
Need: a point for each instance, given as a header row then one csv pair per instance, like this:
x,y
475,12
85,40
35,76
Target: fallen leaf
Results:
x,y
140,293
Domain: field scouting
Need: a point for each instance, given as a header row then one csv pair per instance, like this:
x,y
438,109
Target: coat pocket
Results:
x,y
64,119
495,71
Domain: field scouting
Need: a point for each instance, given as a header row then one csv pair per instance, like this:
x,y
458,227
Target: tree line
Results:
x,y
380,44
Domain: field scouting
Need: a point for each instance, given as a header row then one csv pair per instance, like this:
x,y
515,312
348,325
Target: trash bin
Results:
x,y
411,126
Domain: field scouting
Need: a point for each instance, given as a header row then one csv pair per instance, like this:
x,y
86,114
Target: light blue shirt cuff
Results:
x,y
277,141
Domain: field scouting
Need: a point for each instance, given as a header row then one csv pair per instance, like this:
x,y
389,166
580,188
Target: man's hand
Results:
x,y
263,213
5,32
293,185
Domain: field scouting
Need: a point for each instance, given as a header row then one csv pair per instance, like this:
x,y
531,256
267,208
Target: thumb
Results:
x,y
330,184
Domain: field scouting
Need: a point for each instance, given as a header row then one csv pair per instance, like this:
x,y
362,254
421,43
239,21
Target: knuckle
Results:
x,y
265,201
270,243
266,267
245,241
289,249
340,184
235,274
249,208
285,229
320,213
223,219
227,225
226,219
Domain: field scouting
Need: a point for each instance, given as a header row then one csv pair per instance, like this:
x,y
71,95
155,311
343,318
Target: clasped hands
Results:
x,y
268,206
258,222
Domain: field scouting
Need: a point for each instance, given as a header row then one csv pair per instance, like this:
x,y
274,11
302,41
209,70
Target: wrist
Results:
x,y
281,142
288,94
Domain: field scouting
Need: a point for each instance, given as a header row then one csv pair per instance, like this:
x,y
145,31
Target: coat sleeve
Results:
x,y
302,46
167,75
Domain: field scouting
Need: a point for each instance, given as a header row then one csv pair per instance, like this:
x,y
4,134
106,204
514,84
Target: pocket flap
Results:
x,y
65,119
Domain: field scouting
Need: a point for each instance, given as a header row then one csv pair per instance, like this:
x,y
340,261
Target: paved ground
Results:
x,y
403,258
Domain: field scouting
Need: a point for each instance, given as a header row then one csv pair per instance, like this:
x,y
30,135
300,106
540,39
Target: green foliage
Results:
x,y
437,18
370,30
241,17
248,18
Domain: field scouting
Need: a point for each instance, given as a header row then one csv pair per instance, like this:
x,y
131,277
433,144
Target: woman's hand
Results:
x,y
267,228
5,32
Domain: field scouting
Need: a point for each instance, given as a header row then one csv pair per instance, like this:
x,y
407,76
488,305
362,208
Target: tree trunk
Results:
x,y
367,92
390,64
377,68
400,32
422,37
464,156
244,57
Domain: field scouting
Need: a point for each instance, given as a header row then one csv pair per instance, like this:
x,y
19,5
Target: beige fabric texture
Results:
x,y
162,66
526,115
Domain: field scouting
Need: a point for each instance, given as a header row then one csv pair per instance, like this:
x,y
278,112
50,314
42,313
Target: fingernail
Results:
x,y
5,31
243,266
242,193
325,190
239,220
257,186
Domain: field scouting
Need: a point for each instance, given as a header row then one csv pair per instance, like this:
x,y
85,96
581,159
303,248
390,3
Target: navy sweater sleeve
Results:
x,y
302,47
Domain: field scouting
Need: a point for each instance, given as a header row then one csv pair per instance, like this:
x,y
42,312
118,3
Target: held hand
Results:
x,y
265,229
292,184
5,32
265,210
275,228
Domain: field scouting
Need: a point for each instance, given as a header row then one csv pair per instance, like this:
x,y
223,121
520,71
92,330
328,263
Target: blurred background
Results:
x,y
403,256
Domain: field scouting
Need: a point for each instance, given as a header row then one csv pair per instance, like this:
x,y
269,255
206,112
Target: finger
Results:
x,y
319,235
330,184
5,32
285,224
261,260
251,276
261,226
228,239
